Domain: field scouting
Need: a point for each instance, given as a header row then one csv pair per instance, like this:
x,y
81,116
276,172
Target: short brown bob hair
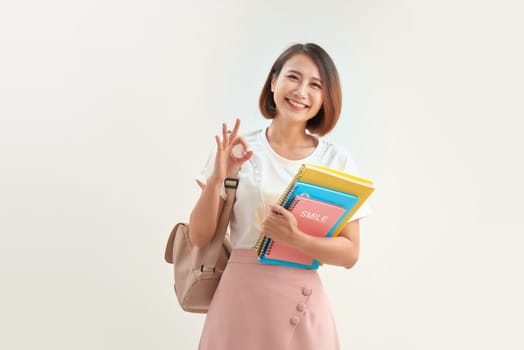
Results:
x,y
329,112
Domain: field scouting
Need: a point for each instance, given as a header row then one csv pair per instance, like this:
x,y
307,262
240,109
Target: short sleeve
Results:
x,y
206,172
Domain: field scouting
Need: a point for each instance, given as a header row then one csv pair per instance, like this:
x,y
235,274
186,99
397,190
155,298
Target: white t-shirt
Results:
x,y
265,176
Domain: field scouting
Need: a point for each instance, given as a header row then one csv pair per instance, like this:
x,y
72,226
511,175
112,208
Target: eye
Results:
x,y
292,77
316,86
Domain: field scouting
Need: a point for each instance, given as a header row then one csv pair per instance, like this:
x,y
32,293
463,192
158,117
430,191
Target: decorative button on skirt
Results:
x,y
259,306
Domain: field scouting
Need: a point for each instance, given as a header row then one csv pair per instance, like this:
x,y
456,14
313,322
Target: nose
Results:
x,y
301,91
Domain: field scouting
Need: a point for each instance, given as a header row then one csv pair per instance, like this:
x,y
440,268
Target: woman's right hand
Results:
x,y
226,162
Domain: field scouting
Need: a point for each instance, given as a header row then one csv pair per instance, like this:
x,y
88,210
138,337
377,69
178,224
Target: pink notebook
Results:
x,y
314,217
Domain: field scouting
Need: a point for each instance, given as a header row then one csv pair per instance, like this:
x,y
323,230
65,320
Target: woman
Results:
x,y
259,306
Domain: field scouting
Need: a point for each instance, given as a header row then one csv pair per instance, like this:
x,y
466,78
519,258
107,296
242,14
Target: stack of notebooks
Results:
x,y
322,200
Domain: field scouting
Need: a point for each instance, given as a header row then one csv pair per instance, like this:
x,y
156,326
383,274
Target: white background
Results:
x,y
108,110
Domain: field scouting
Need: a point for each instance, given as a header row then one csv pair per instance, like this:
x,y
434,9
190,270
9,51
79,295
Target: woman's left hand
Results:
x,y
280,224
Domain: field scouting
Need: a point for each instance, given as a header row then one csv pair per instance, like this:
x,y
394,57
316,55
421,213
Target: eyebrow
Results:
x,y
299,73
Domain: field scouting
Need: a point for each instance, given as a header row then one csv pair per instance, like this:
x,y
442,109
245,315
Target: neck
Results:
x,y
289,135
290,141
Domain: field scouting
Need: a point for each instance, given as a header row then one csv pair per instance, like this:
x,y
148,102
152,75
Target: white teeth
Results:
x,y
297,104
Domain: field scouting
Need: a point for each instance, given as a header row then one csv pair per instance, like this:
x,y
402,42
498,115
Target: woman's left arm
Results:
x,y
343,250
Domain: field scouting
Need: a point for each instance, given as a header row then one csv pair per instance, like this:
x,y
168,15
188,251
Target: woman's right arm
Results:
x,y
206,213
204,217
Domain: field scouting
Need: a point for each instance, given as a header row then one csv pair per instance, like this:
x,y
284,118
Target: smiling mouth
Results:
x,y
296,104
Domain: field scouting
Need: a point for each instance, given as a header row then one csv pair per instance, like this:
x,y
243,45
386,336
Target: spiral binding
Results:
x,y
268,245
269,248
289,189
294,203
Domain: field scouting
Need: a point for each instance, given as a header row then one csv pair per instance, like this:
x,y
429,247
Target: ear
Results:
x,y
273,82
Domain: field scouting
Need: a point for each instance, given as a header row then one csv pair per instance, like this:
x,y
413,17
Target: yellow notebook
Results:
x,y
330,178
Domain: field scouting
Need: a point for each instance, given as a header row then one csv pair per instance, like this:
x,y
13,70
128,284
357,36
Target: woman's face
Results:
x,y
298,89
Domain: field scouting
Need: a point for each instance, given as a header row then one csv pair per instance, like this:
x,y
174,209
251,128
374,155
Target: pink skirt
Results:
x,y
259,306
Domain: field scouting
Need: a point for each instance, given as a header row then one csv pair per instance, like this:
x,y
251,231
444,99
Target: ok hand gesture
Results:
x,y
226,162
